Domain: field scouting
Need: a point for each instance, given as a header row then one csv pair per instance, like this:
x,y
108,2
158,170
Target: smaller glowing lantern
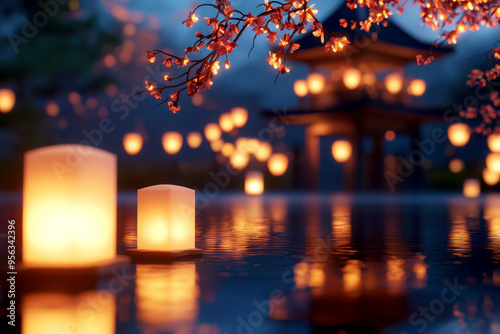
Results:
x,y
490,178
315,83
194,139
212,132
227,149
472,188
394,83
254,183
369,79
459,134
264,151
277,164
390,135
239,116
52,108
341,150
417,87
172,142
216,145
300,88
494,142
493,162
132,143
456,166
226,122
239,159
351,78
7,100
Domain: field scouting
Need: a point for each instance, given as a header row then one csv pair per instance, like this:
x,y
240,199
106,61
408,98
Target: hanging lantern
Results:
x,y
264,151
490,178
172,142
493,162
227,149
239,159
239,116
456,166
394,83
216,145
194,139
459,134
212,132
300,88
7,100
132,143
494,142
472,188
351,78
226,122
341,150
254,183
390,135
315,83
417,87
277,164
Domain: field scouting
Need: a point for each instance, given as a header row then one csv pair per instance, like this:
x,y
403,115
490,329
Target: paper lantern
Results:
x,y
351,78
212,132
254,183
494,142
132,143
472,188
490,178
341,150
172,142
456,166
87,312
52,108
7,100
315,83
493,162
394,83
417,87
300,88
216,145
239,159
239,116
227,149
277,164
459,134
194,139
69,206
264,151
390,135
226,122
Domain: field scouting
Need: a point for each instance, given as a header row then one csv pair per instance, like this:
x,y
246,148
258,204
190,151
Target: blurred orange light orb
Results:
x,y
456,166
490,178
227,149
132,143
351,78
315,83
239,159
472,188
494,142
172,142
264,151
459,134
216,145
277,164
390,135
194,139
226,122
394,83
300,88
212,131
417,87
7,100
239,116
341,150
493,162
52,108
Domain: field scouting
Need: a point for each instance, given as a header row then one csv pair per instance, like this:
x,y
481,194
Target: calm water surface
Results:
x,y
302,264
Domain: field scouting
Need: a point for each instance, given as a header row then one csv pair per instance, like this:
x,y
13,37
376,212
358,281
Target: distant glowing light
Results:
x,y
212,131
456,166
197,100
74,98
390,135
300,88
194,139
459,134
264,151
52,108
7,100
239,116
417,87
254,183
351,78
493,162
277,164
227,149
73,5
394,83
490,178
341,150
91,103
172,142
226,122
315,83
132,143
129,29
239,159
472,188
109,60
494,142
216,145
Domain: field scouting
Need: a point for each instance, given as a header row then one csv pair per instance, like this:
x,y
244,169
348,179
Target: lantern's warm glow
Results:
x,y
493,162
52,108
226,122
239,159
315,83
172,142
341,150
216,145
456,165
394,83
264,151
277,164
390,135
239,116
351,78
300,88
194,139
490,178
69,206
212,132
254,183
417,87
472,188
227,149
369,79
494,142
459,134
132,143
7,100
85,313
165,218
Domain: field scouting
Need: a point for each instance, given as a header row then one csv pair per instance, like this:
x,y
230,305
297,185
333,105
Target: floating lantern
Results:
x,y
493,162
341,150
226,122
300,88
172,142
264,151
394,83
490,178
494,142
216,145
459,134
390,135
315,83
239,159
417,87
132,143
351,78
456,166
69,206
165,222
252,145
254,183
227,149
472,188
52,108
194,139
7,100
212,132
239,116
277,164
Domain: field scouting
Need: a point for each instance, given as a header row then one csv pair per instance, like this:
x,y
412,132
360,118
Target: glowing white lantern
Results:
x,y
417,87
254,183
494,142
315,83
277,164
132,143
493,162
490,178
7,100
212,132
351,78
459,134
69,206
341,150
194,139
172,142
394,83
226,122
472,188
300,88
239,116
